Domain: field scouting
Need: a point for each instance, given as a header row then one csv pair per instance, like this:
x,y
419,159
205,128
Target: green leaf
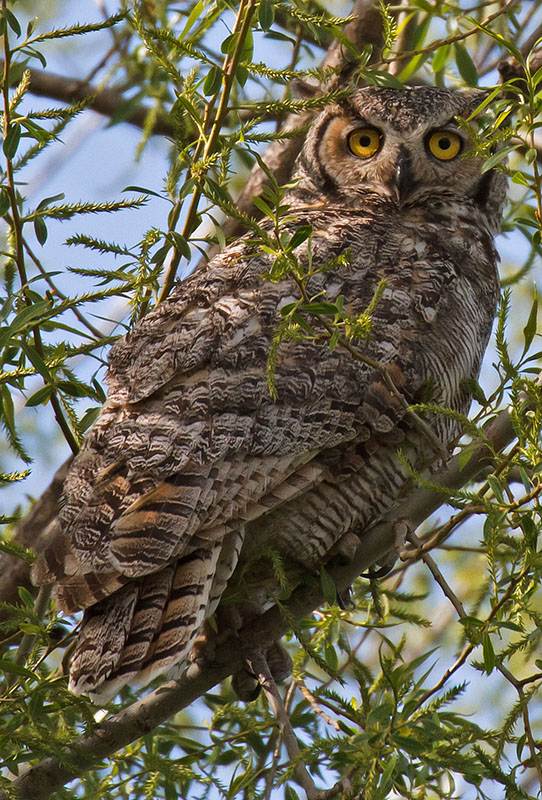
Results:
x,y
472,621
15,669
25,597
465,456
529,330
495,487
266,14
329,309
330,656
13,22
180,243
40,229
520,179
301,235
228,45
11,142
4,201
142,190
36,360
465,65
41,396
376,77
213,81
440,57
328,587
497,157
23,320
73,389
195,14
88,418
488,654
262,206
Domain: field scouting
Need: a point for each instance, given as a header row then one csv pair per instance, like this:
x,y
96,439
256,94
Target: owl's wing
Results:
x,y
190,446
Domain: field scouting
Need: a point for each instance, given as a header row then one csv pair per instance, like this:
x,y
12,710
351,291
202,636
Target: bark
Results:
x,y
14,572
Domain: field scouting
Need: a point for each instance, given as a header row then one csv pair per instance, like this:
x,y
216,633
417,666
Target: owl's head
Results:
x,y
398,147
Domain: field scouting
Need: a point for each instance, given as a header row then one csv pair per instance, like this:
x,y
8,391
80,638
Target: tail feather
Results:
x,y
105,629
146,627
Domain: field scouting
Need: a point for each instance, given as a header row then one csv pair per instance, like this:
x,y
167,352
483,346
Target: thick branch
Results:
x,y
280,156
153,709
104,101
14,572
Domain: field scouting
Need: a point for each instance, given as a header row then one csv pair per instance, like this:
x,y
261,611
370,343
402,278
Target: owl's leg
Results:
x,y
403,530
246,683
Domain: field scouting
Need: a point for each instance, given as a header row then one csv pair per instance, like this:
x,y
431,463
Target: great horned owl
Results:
x,y
193,468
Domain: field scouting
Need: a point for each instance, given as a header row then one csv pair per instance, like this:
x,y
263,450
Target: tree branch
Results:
x,y
31,531
153,709
104,101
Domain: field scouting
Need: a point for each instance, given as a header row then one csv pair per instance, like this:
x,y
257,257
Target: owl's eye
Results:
x,y
364,142
444,145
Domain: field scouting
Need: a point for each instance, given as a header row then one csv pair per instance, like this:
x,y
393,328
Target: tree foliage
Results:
x,y
427,683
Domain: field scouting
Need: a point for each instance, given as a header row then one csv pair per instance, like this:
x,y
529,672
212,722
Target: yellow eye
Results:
x,y
444,145
364,142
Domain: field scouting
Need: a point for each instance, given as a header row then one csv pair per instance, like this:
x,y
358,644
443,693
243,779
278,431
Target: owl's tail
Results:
x,y
149,626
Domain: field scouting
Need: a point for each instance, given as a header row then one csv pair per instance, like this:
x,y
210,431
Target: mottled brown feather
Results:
x,y
192,471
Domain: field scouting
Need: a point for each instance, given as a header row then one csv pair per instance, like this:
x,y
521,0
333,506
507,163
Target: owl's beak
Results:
x,y
403,175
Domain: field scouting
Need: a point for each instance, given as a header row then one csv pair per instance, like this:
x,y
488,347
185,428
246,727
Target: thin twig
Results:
x,y
450,39
18,238
231,61
261,669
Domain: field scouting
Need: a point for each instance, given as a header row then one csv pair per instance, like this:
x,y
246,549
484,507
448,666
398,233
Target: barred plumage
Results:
x,y
192,469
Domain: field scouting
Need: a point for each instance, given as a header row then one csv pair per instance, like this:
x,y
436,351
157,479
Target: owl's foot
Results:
x,y
246,684
403,529
204,648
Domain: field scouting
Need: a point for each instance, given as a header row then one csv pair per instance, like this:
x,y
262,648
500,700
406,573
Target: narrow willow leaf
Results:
x,y
495,487
88,418
465,65
25,597
4,201
15,669
11,142
330,655
300,236
488,654
143,191
266,14
440,57
40,229
13,22
180,243
213,81
41,396
529,330
328,587
195,14
497,157
36,360
229,43
73,389
376,77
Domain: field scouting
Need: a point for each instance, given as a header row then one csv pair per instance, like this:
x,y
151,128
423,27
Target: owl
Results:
x,y
193,473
